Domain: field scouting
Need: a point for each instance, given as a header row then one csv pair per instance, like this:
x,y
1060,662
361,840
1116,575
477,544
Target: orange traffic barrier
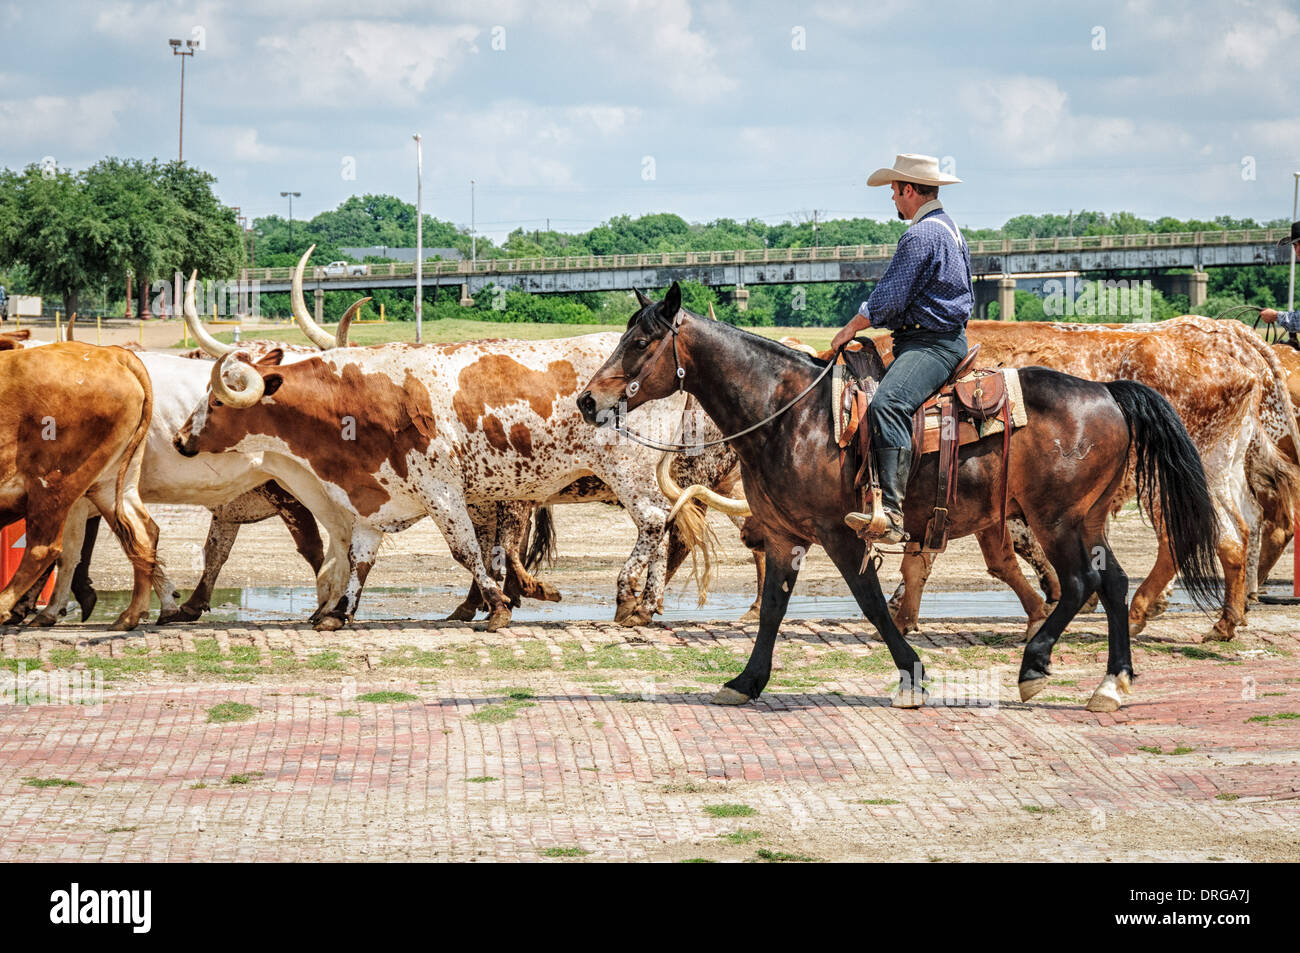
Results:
x,y
13,544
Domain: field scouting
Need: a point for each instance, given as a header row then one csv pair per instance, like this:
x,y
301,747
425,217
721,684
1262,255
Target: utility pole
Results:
x,y
473,233
292,196
190,47
419,239
815,245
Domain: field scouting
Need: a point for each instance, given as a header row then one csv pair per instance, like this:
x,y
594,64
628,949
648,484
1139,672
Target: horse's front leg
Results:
x,y
845,550
778,582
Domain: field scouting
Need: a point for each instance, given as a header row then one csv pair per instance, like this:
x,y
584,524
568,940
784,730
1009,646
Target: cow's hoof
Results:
x,y
1031,630
1222,632
639,617
911,697
548,592
462,613
1031,687
499,619
1109,695
626,607
43,621
728,696
1136,625
1090,605
750,616
329,623
87,605
179,614
124,623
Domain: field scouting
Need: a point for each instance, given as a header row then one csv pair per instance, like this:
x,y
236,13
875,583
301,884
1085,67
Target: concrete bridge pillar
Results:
x,y
320,305
741,296
1196,286
465,300
1006,299
985,294
1200,288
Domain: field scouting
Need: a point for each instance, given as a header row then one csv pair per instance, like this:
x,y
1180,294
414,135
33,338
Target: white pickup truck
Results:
x,y
346,269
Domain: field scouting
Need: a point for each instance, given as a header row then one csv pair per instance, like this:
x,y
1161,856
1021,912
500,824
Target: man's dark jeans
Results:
x,y
922,362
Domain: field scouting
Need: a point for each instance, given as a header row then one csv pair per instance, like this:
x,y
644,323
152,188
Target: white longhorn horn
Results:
x,y
201,335
250,391
315,333
723,504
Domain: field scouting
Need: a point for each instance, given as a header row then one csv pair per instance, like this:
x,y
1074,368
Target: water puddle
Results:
x,y
428,603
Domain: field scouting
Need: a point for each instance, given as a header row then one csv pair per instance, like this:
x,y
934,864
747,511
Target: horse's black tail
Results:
x,y
1167,459
541,548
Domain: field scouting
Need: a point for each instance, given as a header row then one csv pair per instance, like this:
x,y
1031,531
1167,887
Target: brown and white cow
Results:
x,y
397,432
73,422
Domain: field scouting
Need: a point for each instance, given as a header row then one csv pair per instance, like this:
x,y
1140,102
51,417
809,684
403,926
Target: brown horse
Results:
x,y
1065,466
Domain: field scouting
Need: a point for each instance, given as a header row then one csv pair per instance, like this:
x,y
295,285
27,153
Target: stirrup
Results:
x,y
887,528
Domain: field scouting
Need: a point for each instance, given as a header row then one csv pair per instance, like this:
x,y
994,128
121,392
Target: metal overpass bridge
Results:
x,y
1001,259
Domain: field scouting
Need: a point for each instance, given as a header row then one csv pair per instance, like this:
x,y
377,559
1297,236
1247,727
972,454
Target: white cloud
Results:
x,y
349,60
245,147
56,124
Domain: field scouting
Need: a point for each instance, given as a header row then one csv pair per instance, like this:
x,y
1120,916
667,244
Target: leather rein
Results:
x,y
670,339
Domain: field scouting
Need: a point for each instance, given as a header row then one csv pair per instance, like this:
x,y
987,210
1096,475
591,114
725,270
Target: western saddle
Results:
x,y
968,398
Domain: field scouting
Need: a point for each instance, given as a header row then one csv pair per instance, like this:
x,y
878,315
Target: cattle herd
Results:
x,y
484,436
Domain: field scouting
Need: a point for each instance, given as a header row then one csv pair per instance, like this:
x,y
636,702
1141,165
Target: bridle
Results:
x,y
670,340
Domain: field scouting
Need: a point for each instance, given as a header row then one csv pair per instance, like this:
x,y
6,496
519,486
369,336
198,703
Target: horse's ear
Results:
x,y
672,301
642,299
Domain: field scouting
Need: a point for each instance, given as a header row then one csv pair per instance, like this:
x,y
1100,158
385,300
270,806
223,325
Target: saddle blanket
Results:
x,y
979,429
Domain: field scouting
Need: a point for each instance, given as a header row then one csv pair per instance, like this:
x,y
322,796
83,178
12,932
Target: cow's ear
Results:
x,y
273,382
273,356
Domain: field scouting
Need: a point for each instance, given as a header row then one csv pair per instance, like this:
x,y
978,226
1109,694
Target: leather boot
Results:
x,y
893,467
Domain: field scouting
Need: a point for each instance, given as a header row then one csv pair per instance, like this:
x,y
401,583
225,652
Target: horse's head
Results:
x,y
645,364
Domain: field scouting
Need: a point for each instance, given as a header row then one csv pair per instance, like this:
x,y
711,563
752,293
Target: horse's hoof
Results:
x,y
462,613
728,696
1109,695
908,698
1031,687
329,623
499,619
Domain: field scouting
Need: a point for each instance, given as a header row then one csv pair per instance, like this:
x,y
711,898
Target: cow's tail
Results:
x,y
1168,463
542,548
1267,465
135,528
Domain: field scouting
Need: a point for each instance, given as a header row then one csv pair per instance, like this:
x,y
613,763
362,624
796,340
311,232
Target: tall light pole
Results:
x,y
292,196
190,47
1290,294
473,233
419,239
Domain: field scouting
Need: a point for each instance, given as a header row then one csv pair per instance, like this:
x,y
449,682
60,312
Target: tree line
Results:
x,y
73,236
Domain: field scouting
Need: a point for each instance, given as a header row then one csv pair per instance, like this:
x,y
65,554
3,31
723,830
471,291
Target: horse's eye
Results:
x,y
641,343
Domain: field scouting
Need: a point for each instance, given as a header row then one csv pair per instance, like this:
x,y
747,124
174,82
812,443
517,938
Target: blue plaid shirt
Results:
x,y
1289,320
928,283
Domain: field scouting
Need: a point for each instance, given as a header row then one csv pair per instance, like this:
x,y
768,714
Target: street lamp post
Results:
x,y
1290,294
190,47
292,196
473,233
419,239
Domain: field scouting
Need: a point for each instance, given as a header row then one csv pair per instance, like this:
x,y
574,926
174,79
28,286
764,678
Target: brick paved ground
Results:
x,y
599,739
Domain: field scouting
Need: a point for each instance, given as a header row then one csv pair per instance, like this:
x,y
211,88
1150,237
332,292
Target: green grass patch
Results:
x,y
1037,809
495,714
1181,749
877,800
697,860
741,836
565,852
1226,797
729,810
230,711
121,830
349,713
52,783
781,857
246,778
483,779
1269,719
387,697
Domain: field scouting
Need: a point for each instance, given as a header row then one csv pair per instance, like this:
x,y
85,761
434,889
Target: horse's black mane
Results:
x,y
652,322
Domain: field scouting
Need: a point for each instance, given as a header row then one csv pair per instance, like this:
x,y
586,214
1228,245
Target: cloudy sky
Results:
x,y
578,111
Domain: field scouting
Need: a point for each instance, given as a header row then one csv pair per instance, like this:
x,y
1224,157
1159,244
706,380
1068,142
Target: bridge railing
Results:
x,y
751,256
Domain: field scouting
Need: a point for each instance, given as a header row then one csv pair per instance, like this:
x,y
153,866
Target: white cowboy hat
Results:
x,y
923,170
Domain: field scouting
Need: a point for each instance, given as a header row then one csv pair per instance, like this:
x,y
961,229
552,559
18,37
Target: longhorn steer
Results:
x,y
73,421
396,432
